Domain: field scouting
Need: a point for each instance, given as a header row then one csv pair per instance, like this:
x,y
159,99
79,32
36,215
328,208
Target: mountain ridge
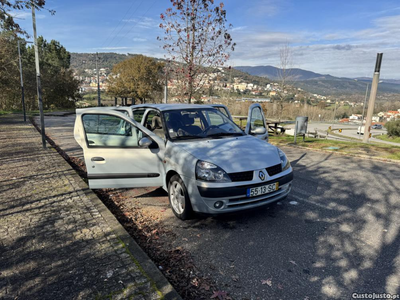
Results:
x,y
324,84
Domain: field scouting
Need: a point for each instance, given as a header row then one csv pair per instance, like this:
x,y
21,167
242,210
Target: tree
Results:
x,y
285,77
59,87
138,77
393,128
58,84
7,20
9,75
197,41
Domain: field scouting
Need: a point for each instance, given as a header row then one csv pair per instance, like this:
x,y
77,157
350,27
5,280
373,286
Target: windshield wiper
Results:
x,y
183,137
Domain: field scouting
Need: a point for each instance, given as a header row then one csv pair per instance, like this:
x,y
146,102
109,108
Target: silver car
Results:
x,y
197,154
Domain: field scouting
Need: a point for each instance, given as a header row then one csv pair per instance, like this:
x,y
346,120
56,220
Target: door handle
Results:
x,y
97,159
90,142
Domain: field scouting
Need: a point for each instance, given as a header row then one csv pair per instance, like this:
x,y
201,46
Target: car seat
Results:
x,y
157,127
188,125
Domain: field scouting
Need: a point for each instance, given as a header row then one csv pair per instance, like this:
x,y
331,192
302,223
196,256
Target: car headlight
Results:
x,y
284,161
209,172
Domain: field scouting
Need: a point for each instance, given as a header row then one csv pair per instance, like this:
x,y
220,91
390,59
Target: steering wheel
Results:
x,y
211,127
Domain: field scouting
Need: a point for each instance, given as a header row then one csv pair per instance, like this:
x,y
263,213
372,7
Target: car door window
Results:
x,y
215,119
102,130
257,119
138,114
154,123
219,120
223,110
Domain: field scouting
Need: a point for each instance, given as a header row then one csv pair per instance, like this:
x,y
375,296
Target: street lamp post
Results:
x,y
22,80
334,114
39,87
98,80
365,102
372,96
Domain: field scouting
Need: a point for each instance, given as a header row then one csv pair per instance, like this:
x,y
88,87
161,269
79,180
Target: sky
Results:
x,y
340,38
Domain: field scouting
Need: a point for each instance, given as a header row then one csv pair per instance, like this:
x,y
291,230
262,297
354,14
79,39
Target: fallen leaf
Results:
x,y
235,278
293,262
221,295
267,282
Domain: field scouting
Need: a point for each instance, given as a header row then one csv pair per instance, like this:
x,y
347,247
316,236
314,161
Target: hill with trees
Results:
x,y
82,61
320,83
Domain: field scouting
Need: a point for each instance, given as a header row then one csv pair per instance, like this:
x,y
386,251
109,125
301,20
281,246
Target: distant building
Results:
x,y
255,99
354,117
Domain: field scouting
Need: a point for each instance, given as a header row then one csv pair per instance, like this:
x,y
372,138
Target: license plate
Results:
x,y
261,190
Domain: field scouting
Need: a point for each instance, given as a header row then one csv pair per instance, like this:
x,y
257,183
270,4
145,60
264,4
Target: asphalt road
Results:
x,y
335,235
349,131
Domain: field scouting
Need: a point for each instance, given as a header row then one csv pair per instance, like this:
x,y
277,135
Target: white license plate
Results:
x,y
261,190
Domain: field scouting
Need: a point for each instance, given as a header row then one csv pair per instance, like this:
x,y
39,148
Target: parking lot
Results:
x,y
336,234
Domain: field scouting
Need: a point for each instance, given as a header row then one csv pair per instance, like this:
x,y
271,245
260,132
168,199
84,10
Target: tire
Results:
x,y
179,198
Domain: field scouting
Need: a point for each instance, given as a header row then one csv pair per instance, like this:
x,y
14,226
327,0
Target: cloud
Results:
x,y
111,48
238,28
352,54
343,47
333,36
265,8
143,22
136,39
25,15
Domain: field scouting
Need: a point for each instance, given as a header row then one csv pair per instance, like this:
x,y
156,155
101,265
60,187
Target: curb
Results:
x,y
158,280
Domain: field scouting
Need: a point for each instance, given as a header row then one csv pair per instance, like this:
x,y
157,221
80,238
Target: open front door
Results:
x,y
256,124
119,152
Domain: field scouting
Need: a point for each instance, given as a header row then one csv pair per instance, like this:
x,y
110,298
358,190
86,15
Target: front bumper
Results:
x,y
235,198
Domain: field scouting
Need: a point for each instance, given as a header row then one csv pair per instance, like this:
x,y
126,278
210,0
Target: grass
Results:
x,y
373,150
385,137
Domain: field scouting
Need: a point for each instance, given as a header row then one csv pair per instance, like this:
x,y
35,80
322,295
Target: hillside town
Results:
x,y
222,83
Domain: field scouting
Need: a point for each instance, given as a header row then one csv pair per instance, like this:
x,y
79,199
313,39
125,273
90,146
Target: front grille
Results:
x,y
274,170
241,176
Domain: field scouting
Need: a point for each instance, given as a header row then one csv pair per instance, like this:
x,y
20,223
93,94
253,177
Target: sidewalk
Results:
x,y
57,239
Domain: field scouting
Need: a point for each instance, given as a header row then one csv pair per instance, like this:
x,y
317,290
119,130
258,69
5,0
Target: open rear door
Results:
x,y
256,124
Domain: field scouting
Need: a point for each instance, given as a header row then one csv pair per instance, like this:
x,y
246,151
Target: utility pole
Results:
x,y
362,116
365,102
22,80
166,84
39,86
372,97
166,88
334,114
98,80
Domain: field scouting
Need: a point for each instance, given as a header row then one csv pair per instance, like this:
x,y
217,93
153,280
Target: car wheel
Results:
x,y
179,198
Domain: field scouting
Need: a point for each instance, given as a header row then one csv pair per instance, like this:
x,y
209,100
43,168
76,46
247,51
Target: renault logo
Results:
x,y
261,175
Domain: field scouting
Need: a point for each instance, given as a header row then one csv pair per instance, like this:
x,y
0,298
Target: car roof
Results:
x,y
171,106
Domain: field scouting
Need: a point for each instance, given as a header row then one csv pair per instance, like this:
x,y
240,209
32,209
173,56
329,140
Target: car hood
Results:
x,y
236,154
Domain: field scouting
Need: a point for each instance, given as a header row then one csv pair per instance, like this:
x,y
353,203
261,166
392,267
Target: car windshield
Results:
x,y
199,123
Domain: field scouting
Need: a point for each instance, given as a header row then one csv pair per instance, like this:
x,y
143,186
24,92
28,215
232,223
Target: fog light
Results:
x,y
218,204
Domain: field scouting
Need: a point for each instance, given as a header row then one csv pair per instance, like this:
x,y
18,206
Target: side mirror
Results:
x,y
259,130
145,142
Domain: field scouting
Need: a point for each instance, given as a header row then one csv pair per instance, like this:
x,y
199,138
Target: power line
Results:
x,y
137,7
141,18
115,28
